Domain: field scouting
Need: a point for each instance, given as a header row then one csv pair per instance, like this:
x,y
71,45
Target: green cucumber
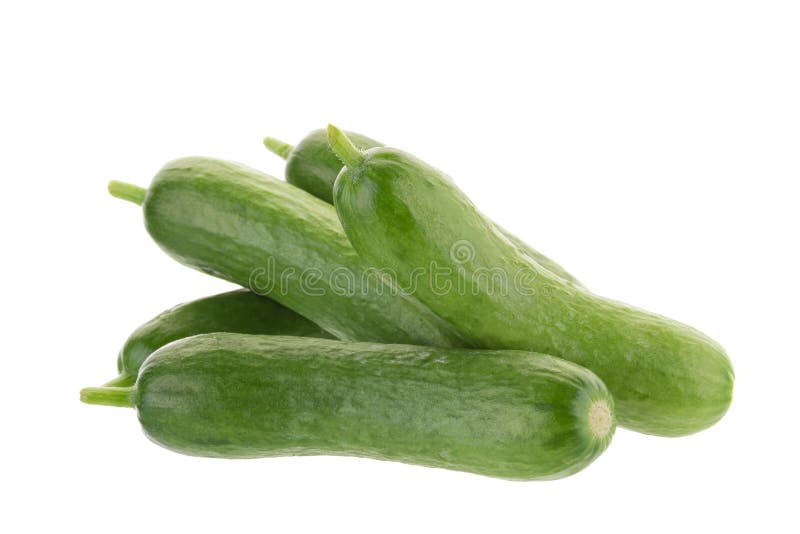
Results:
x,y
404,215
246,227
312,166
235,311
507,414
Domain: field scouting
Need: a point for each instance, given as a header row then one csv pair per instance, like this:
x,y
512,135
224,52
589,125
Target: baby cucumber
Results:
x,y
312,166
508,414
402,214
236,311
243,226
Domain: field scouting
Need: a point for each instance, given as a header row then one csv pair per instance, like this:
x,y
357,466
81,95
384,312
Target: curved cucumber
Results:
x,y
236,311
312,166
508,414
667,378
246,227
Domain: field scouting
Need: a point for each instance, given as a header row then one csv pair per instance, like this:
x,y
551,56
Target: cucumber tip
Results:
x,y
600,418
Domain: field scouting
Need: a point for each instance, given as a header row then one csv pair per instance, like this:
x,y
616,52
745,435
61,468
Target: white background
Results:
x,y
652,148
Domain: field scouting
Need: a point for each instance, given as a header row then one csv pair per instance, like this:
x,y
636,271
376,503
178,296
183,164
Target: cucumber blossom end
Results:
x,y
601,419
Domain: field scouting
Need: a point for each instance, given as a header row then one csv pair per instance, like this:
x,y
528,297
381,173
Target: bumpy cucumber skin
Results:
x,y
667,378
235,311
313,166
246,227
507,414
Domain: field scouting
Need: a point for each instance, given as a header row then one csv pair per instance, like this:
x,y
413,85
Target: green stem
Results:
x,y
125,191
276,146
344,148
110,396
123,380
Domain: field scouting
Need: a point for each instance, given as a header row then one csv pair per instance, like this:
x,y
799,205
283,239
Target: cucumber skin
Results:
x,y
238,311
246,227
507,414
313,166
667,378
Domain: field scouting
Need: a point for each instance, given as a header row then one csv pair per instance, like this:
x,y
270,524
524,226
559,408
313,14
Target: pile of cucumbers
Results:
x,y
384,316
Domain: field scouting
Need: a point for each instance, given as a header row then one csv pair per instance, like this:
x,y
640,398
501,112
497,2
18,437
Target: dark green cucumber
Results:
x,y
508,414
277,240
312,166
402,214
238,311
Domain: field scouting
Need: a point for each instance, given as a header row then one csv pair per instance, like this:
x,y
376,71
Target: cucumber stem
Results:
x,y
344,148
276,146
110,396
125,191
123,380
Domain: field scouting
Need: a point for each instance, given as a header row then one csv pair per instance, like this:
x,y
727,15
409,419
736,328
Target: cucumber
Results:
x,y
312,166
402,214
235,311
243,226
508,414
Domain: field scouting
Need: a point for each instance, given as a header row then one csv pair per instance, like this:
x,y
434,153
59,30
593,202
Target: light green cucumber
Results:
x,y
408,217
508,414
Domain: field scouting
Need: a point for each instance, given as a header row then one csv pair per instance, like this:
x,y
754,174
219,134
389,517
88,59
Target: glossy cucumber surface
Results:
x,y
507,414
312,166
238,311
402,214
246,227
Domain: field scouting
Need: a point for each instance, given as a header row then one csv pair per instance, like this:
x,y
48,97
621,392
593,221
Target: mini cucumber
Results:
x,y
312,166
508,414
246,227
235,311
402,214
